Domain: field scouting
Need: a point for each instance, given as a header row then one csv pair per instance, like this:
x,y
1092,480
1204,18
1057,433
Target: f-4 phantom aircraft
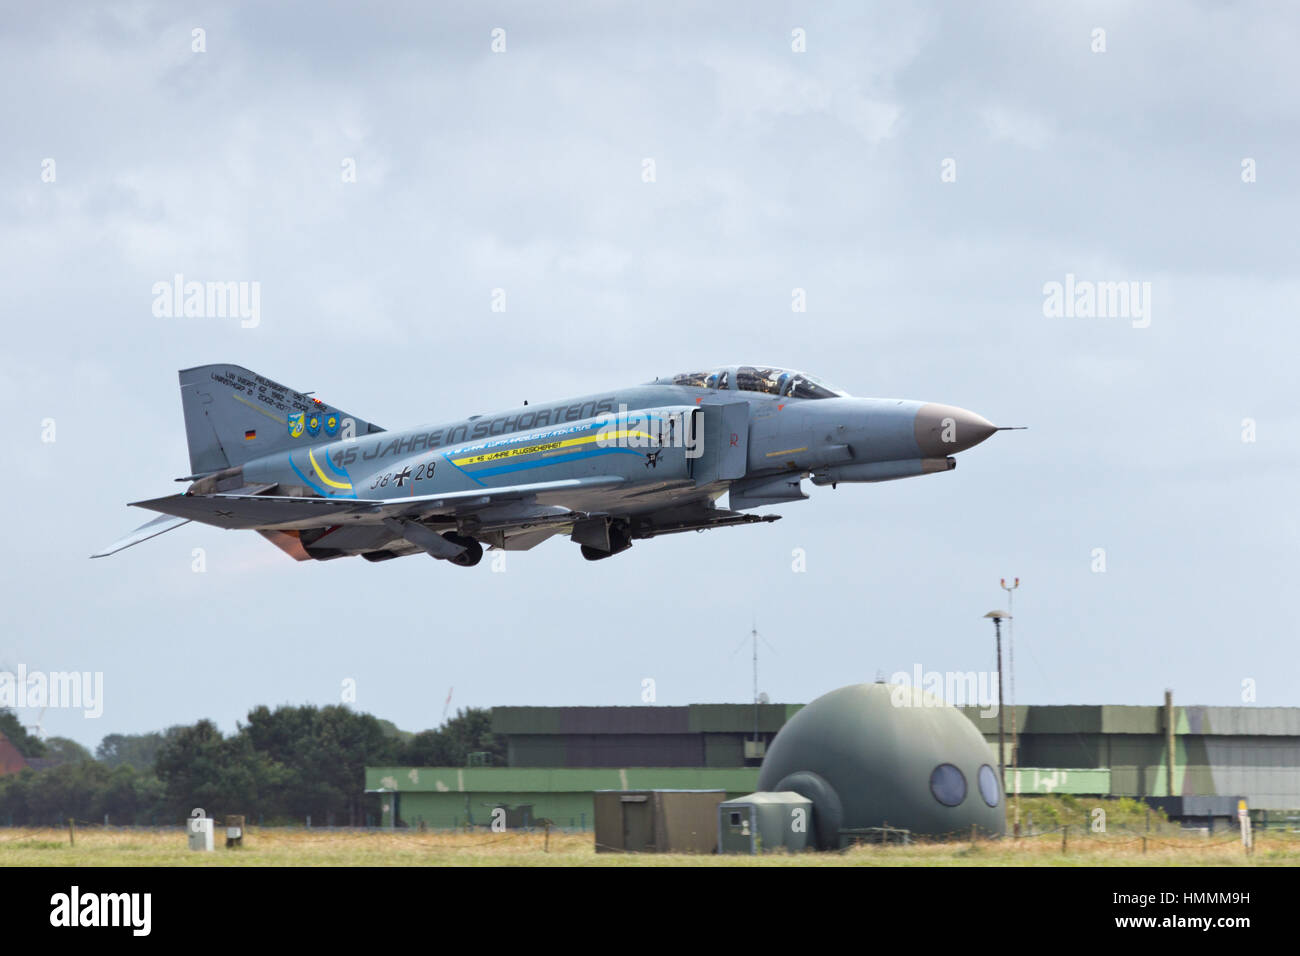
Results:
x,y
604,469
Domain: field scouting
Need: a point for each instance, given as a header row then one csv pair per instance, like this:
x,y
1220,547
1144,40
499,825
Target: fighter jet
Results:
x,y
604,469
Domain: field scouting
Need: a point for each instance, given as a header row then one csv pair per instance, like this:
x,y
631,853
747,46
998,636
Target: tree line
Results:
x,y
280,766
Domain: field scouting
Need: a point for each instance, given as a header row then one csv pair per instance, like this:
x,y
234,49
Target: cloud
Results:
x,y
775,170
1009,125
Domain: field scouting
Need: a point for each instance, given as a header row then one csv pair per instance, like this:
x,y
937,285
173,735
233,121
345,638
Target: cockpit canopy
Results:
x,y
781,382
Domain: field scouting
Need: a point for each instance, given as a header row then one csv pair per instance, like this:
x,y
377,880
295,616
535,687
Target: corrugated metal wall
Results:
x,y
699,735
1253,752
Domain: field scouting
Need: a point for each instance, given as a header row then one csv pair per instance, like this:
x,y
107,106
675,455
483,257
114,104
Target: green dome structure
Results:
x,y
876,755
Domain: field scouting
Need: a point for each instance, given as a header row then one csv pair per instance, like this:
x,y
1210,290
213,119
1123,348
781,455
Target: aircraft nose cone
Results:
x,y
943,430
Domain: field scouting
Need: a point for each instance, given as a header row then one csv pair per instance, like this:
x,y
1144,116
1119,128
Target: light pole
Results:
x,y
998,618
1011,667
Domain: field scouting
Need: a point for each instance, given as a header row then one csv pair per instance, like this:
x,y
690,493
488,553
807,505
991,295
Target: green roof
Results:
x,y
690,719
558,780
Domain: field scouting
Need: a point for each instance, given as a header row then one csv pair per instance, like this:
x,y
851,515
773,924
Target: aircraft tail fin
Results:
x,y
233,415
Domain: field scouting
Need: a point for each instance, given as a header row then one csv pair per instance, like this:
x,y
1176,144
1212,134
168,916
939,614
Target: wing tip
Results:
x,y
150,529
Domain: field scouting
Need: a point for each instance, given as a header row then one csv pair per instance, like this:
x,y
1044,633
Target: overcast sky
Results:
x,y
775,168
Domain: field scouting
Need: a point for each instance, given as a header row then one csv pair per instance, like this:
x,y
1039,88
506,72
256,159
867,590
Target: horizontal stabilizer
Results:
x,y
150,529
251,511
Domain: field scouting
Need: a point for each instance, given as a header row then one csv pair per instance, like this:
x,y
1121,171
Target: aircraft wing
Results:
x,y
150,529
241,511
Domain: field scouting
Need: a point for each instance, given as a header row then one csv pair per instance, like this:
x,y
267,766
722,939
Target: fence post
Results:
x,y
1065,836
72,832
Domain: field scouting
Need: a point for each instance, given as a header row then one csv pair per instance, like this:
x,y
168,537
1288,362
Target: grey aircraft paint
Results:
x,y
604,469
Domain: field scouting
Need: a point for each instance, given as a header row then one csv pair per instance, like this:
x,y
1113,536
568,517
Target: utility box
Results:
x,y
234,831
764,822
656,821
200,830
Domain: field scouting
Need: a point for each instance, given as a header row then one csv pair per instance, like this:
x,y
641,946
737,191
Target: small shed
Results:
x,y
656,821
764,822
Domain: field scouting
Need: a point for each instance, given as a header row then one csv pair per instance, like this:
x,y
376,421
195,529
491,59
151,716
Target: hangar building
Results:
x,y
1123,751
559,756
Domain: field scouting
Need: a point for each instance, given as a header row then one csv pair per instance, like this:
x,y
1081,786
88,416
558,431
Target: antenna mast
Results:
x,y
753,635
1015,749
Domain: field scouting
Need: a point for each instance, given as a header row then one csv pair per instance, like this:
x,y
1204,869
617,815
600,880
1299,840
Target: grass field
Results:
x,y
301,847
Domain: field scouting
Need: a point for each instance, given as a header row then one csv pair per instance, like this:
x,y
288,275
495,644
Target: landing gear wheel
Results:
x,y
472,554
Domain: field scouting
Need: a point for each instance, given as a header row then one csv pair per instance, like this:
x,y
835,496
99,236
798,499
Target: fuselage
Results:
x,y
785,435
